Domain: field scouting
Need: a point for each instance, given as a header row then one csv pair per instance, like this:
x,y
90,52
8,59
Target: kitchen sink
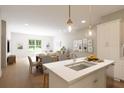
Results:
x,y
80,65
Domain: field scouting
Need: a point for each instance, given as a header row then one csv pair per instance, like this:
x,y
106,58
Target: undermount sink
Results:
x,y
80,65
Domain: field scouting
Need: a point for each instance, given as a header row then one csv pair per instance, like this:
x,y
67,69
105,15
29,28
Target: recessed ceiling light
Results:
x,y
26,24
83,21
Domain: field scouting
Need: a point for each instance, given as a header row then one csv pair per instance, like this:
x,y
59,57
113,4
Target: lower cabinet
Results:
x,y
119,70
122,71
96,79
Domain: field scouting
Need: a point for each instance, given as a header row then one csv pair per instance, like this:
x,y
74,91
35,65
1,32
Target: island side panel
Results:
x,y
96,79
56,82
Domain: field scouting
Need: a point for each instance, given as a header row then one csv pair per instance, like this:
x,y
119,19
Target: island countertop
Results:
x,y
70,75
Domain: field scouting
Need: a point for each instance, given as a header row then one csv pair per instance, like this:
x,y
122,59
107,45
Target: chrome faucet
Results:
x,y
74,57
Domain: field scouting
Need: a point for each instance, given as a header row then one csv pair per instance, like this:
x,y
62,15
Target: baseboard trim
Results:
x,y
122,80
117,79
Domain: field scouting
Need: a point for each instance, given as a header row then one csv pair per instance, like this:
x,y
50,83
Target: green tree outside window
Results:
x,y
34,45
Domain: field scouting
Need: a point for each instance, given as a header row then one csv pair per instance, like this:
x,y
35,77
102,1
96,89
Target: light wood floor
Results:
x,y
118,84
18,76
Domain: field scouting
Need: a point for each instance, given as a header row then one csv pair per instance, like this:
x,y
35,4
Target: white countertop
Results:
x,y
70,75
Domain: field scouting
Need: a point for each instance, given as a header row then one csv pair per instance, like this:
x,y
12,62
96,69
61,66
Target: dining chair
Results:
x,y
33,64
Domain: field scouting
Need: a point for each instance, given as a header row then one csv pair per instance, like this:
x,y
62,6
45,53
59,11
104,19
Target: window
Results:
x,y
38,43
34,45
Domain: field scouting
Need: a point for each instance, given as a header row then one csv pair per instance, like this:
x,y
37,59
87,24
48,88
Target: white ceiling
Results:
x,y
52,18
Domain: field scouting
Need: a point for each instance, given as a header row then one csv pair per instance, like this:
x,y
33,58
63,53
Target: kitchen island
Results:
x,y
77,74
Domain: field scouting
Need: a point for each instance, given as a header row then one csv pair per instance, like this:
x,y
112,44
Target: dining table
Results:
x,y
53,57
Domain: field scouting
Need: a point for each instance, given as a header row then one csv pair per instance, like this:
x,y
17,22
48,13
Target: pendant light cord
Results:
x,y
90,15
69,11
69,22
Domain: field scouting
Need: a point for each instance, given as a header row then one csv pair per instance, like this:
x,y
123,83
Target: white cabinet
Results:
x,y
122,70
109,41
95,79
119,69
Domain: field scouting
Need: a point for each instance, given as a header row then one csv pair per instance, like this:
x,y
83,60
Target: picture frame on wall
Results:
x,y
80,43
85,42
75,45
85,45
90,42
90,49
19,46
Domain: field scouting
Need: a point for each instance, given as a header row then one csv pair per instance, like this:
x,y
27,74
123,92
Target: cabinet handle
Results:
x,y
113,64
96,80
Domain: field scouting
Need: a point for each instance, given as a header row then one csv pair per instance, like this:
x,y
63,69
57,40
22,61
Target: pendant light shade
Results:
x,y
90,26
69,21
69,28
90,30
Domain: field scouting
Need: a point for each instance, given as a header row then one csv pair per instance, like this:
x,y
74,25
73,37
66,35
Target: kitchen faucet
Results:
x,y
74,57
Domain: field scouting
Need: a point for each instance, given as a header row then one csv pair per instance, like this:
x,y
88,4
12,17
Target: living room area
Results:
x,y
29,34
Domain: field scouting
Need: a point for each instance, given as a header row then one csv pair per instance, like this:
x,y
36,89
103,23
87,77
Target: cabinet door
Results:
x,y
108,40
87,82
113,34
108,45
96,79
100,79
121,69
101,33
117,70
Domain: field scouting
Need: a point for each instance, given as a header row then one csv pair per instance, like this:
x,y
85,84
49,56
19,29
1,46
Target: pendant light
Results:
x,y
69,22
90,24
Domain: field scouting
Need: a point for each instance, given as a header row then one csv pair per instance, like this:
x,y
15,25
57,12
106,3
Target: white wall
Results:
x,y
113,16
18,38
68,38
65,38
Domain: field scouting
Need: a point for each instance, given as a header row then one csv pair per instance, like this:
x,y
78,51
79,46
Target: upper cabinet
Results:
x,y
109,40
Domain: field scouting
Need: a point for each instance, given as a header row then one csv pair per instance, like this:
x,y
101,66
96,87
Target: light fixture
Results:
x,y
90,24
69,21
83,21
26,24
90,30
